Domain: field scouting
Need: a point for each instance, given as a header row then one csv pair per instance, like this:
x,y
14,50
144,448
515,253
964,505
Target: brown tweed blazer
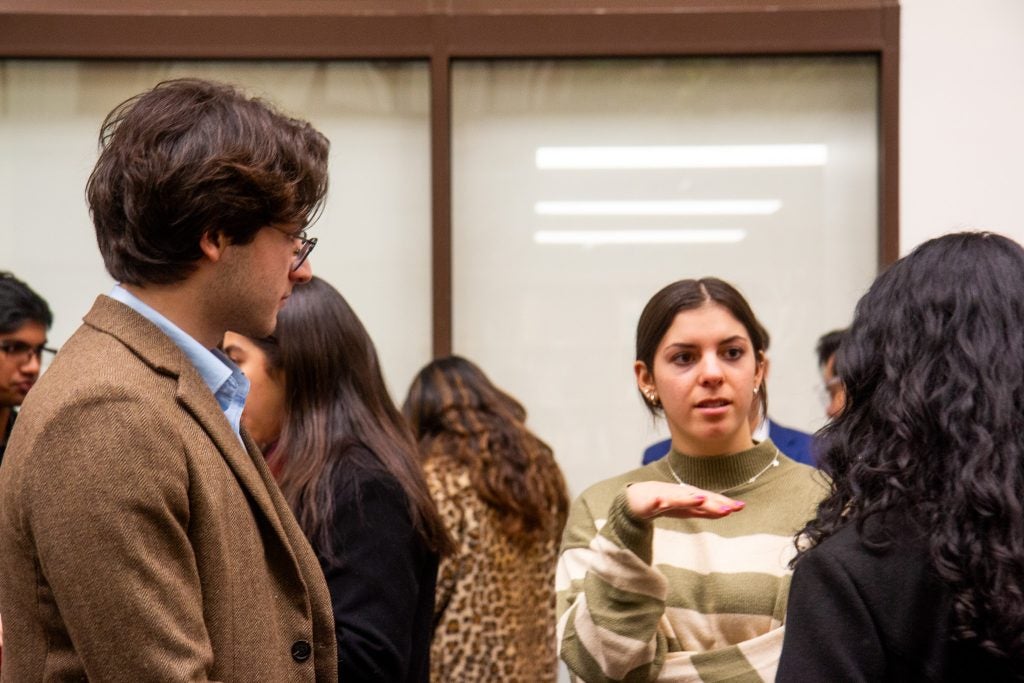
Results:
x,y
139,540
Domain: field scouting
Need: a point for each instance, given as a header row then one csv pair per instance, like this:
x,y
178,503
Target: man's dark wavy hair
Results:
x,y
191,157
933,426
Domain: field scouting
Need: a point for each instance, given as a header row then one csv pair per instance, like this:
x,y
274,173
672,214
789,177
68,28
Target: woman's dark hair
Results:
x,y
686,295
336,402
933,425
19,305
456,412
190,157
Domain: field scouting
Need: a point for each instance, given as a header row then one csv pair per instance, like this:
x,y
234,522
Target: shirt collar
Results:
x,y
227,383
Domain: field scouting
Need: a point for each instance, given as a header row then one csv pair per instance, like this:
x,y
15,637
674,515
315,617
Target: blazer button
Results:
x,y
301,650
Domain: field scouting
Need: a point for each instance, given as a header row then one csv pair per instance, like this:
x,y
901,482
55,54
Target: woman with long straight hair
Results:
x,y
677,571
503,498
347,464
913,568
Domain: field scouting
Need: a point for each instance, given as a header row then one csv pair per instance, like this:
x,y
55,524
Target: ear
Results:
x,y
212,244
761,371
644,378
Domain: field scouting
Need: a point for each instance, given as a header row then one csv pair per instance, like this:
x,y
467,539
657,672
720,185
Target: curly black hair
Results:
x,y
933,426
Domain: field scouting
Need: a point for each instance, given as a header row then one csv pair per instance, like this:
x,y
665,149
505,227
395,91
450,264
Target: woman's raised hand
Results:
x,y
649,499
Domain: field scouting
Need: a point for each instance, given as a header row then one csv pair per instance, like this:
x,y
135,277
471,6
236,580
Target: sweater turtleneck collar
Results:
x,y
721,472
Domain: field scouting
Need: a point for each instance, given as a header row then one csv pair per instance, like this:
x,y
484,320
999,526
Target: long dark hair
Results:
x,y
933,425
336,401
686,295
456,412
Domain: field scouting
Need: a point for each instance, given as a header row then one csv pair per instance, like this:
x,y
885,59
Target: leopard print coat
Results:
x,y
495,600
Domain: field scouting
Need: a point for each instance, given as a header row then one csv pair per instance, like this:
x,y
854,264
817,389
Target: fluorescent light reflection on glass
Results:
x,y
593,238
688,156
694,207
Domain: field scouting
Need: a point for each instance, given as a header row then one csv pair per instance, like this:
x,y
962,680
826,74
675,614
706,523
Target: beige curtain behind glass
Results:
x,y
582,187
375,229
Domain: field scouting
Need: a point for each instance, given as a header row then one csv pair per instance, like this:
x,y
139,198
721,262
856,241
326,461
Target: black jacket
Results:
x,y
382,578
864,614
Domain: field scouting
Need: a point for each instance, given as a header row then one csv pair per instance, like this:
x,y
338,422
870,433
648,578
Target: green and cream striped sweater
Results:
x,y
683,599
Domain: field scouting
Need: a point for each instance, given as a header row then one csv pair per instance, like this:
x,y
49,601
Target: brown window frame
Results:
x,y
442,31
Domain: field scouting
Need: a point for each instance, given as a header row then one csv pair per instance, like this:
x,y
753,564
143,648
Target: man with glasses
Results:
x,y
834,394
143,536
24,321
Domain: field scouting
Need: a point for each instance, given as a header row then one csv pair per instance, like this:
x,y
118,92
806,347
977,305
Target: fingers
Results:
x,y
651,499
713,507
667,505
709,506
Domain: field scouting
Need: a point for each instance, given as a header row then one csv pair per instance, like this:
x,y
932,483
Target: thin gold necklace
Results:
x,y
773,463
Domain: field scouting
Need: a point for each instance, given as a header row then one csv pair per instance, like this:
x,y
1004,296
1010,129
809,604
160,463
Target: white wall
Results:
x,y
961,133
962,118
374,231
554,323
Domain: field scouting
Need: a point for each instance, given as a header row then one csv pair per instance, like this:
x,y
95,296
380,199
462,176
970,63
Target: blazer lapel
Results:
x,y
156,349
195,396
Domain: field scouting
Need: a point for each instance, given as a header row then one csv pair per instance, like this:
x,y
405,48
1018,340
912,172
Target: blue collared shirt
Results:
x,y
229,386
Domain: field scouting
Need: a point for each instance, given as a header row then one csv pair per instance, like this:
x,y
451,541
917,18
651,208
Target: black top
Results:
x,y
382,580
862,614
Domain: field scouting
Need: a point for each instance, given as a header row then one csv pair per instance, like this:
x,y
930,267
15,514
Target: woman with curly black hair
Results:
x,y
915,564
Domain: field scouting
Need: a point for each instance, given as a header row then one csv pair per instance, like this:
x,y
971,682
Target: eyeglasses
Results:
x,y
305,247
22,353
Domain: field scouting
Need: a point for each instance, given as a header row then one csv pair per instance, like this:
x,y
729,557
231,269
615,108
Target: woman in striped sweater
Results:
x,y
677,571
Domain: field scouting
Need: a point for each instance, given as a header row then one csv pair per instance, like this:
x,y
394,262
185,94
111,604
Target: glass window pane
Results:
x,y
582,187
375,229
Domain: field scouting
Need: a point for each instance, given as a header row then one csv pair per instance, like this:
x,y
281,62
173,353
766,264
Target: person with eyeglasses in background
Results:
x,y
143,536
834,395
25,319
